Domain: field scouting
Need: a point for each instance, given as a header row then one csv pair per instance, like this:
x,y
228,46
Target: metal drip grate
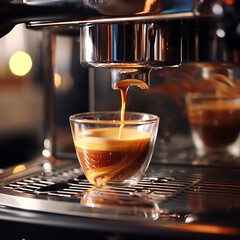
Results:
x,y
186,188
36,184
174,199
72,184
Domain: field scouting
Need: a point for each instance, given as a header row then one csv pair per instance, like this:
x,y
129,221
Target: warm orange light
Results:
x,y
147,6
20,63
57,80
229,2
63,82
19,168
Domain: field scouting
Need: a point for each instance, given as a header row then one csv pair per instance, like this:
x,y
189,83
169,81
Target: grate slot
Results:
x,y
65,191
40,184
14,185
32,186
46,182
26,189
74,190
21,183
59,195
79,187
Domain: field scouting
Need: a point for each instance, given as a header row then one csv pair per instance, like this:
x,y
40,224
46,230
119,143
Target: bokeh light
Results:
x,y
20,63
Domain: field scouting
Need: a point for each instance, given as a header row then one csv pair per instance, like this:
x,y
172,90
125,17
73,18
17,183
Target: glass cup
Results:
x,y
112,152
215,124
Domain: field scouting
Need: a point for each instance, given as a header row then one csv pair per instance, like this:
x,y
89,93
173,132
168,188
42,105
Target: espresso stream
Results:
x,y
115,153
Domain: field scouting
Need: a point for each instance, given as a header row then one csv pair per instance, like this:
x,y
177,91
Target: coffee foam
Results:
x,y
107,139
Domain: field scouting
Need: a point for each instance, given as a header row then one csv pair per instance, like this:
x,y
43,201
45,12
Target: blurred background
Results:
x,y
24,110
21,98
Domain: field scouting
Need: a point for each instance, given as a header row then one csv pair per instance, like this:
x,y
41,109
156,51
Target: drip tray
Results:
x,y
183,198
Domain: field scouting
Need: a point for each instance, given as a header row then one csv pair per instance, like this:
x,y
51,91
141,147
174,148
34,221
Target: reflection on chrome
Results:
x,y
19,168
139,207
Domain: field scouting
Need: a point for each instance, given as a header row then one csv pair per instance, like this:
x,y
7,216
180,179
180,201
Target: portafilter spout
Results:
x,y
129,77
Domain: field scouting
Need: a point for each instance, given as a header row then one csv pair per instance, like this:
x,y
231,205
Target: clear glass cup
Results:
x,y
112,152
215,124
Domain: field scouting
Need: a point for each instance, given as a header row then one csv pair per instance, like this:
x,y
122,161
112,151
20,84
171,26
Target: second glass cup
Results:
x,y
215,124
112,152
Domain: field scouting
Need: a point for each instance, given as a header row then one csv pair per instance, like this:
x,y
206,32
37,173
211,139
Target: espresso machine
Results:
x,y
106,43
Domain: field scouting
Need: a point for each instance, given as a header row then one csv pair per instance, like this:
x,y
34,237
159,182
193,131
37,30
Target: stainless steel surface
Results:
x,y
130,47
71,23
121,8
122,11
116,11
48,53
187,199
125,45
38,13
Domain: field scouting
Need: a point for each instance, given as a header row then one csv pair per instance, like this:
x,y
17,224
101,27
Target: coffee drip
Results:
x,y
123,91
123,86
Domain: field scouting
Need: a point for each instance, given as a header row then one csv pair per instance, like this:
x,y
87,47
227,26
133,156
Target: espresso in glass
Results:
x,y
215,123
104,156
